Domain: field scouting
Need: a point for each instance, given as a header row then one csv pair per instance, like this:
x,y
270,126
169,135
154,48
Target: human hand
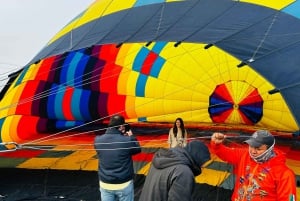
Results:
x,y
218,138
129,133
180,142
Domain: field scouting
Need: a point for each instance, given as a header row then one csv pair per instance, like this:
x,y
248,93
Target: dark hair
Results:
x,y
175,130
116,120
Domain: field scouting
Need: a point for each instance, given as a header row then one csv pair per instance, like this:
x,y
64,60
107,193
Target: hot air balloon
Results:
x,y
220,65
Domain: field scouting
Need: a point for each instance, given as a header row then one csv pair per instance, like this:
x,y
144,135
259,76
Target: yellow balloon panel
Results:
x,y
127,80
212,177
279,120
31,73
234,118
153,107
98,9
161,89
9,129
272,4
9,103
191,73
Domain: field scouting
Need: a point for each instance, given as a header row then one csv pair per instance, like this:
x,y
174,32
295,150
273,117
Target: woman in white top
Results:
x,y
177,134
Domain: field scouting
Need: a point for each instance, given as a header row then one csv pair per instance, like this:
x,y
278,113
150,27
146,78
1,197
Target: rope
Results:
x,y
50,147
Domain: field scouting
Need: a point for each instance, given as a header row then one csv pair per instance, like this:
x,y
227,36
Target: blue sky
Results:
x,y
27,25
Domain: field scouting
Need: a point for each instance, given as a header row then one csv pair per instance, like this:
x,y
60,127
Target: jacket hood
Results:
x,y
279,158
198,151
169,157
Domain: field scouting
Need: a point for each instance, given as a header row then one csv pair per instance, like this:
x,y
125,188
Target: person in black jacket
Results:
x,y
114,150
172,173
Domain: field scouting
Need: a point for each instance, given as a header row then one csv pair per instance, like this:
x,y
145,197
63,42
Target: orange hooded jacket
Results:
x,y
269,181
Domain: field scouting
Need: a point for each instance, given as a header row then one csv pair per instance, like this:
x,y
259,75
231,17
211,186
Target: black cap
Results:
x,y
116,120
261,137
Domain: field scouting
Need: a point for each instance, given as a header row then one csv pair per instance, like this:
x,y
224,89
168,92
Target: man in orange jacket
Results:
x,y
261,172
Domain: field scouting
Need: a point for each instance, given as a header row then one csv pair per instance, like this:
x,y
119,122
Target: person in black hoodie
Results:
x,y
172,173
115,150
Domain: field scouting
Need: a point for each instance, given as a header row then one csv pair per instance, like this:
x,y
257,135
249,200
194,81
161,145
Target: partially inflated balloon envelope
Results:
x,y
233,63
177,58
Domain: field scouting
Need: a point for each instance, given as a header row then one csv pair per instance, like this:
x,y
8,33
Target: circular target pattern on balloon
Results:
x,y
235,101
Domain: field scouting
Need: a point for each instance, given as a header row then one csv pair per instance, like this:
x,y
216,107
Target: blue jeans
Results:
x,y
126,194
